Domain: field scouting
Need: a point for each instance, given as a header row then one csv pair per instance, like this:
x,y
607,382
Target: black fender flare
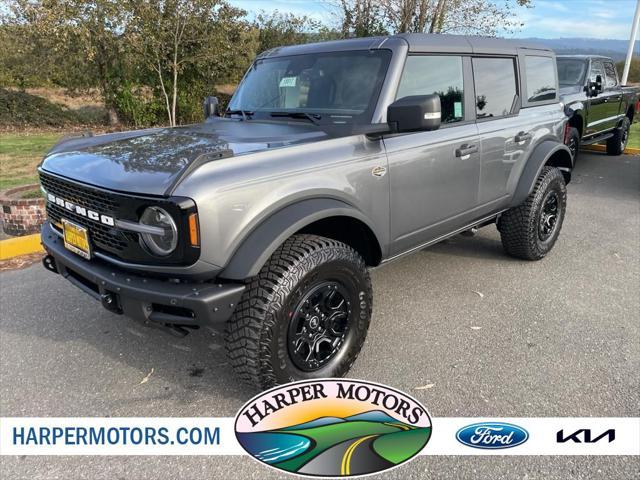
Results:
x,y
536,161
263,240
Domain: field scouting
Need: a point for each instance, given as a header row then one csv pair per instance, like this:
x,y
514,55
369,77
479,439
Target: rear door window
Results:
x,y
439,74
612,76
495,82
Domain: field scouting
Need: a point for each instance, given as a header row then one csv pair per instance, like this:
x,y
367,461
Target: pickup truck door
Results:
x,y
613,92
434,175
600,113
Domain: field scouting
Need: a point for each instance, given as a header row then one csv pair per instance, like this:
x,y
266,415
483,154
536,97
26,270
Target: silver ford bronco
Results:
x,y
331,158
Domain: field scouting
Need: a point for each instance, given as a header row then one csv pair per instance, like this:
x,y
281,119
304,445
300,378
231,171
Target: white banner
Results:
x,y
543,436
216,436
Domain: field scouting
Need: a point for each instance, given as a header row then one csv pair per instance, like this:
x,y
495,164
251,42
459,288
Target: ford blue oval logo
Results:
x,y
492,435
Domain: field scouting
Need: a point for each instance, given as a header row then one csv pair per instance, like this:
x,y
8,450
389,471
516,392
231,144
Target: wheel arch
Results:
x,y
319,216
548,153
577,121
631,111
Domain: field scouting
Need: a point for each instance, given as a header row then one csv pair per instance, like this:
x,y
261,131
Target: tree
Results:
x,y
479,17
360,18
79,41
277,29
176,38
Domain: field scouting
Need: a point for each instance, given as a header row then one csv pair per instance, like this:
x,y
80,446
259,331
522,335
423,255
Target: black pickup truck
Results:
x,y
600,109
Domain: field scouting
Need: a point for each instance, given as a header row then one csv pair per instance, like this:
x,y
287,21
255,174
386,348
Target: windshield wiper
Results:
x,y
312,117
246,114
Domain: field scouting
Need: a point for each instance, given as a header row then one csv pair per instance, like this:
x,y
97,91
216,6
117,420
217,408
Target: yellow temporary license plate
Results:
x,y
76,239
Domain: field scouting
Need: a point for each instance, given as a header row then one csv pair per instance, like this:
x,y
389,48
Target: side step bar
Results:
x,y
597,139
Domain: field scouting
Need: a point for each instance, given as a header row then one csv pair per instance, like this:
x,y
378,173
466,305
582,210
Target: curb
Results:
x,y
602,148
14,247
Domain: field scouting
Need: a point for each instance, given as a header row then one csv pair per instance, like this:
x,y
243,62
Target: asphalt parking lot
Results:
x,y
494,336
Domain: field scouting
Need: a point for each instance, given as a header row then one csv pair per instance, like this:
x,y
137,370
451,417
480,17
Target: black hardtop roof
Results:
x,y
416,42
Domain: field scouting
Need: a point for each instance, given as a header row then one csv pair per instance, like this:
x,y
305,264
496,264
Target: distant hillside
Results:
x,y
616,49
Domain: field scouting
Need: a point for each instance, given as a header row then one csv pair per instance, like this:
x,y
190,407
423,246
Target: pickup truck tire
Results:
x,y
530,230
573,142
305,315
617,143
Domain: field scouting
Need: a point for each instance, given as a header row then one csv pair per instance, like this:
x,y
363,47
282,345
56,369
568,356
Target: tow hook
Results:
x,y
50,264
110,302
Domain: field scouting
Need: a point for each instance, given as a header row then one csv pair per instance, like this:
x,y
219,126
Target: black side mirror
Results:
x,y
593,88
211,107
599,83
414,113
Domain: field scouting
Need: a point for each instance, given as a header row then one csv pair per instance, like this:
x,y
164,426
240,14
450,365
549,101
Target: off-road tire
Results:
x,y
617,143
257,334
520,226
573,142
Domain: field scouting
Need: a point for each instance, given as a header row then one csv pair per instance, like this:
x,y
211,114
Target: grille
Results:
x,y
110,240
87,197
104,237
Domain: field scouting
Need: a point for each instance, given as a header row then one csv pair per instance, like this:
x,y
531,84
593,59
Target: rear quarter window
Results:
x,y
611,75
541,78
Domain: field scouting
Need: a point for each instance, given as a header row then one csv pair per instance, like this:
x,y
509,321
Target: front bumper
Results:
x,y
153,301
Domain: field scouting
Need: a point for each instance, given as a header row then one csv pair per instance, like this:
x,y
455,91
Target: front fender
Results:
x,y
262,241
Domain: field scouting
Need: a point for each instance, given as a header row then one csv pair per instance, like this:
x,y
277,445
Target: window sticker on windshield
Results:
x,y
288,82
457,109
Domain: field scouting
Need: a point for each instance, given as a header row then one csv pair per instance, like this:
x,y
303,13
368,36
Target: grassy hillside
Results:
x,y
25,110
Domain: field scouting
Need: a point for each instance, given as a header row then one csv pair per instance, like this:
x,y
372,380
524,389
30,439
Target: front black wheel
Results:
x,y
305,315
617,143
530,230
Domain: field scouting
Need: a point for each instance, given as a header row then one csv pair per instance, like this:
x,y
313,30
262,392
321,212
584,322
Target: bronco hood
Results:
x,y
153,161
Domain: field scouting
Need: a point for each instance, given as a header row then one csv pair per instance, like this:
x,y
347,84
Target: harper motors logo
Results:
x,y
82,211
333,428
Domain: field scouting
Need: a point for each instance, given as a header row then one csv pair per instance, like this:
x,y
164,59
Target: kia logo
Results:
x,y
584,436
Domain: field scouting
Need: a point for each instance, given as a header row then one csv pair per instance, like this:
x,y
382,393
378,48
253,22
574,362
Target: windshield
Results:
x,y
334,87
571,71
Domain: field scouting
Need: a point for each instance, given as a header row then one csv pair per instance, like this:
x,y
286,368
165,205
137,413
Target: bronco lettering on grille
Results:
x,y
82,211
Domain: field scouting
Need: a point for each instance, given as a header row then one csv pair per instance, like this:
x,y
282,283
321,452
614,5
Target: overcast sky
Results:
x,y
547,18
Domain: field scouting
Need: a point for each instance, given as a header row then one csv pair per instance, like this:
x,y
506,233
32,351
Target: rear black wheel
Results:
x,y
530,230
617,143
305,315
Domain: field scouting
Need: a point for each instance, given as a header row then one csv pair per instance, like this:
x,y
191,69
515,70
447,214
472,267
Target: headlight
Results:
x,y
159,244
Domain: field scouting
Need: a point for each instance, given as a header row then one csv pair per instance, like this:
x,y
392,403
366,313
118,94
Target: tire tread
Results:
x,y
248,332
518,226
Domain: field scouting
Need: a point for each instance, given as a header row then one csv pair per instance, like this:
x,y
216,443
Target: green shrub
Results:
x,y
634,70
135,108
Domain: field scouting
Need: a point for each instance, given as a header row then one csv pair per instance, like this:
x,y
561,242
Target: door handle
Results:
x,y
465,150
522,137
